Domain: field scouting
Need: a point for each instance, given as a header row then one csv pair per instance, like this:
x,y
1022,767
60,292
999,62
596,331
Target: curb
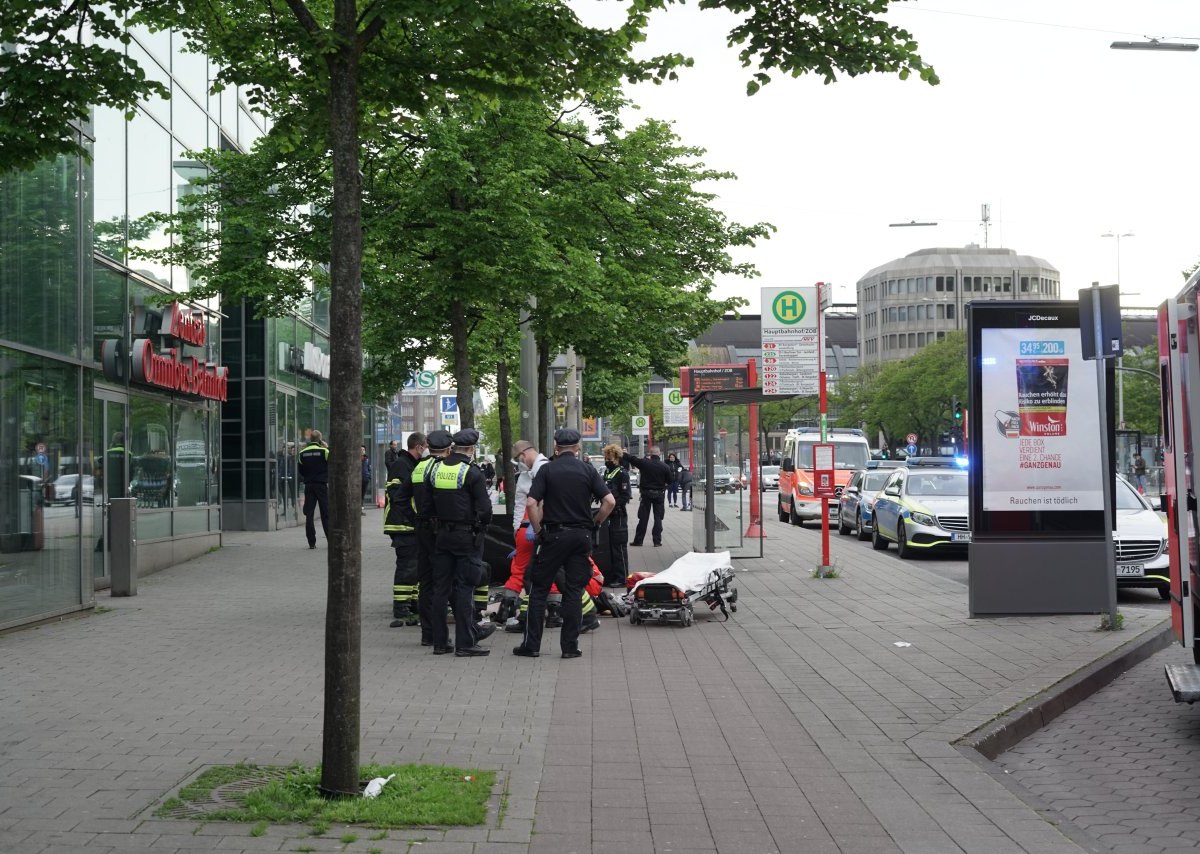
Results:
x,y
1005,732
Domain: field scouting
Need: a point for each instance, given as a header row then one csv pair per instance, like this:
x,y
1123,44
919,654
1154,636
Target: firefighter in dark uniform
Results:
x,y
418,490
560,512
617,480
400,523
313,467
463,510
652,487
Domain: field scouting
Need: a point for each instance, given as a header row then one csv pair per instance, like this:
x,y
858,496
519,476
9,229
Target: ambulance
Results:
x,y
797,502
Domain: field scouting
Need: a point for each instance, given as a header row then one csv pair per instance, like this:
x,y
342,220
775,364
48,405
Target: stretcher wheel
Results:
x,y
685,617
633,617
733,607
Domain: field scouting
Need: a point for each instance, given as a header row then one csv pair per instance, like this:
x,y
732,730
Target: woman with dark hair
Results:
x,y
676,468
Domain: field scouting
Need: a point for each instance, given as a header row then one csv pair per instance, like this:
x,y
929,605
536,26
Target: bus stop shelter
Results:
x,y
728,508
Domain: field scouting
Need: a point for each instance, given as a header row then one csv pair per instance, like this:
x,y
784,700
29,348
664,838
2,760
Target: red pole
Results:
x,y
755,528
823,409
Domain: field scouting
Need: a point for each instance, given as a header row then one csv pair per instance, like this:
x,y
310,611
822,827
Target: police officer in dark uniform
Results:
x,y
314,471
652,487
617,480
463,510
418,490
400,523
560,511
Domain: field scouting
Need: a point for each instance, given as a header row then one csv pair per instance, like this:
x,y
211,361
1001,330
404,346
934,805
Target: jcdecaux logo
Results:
x,y
789,308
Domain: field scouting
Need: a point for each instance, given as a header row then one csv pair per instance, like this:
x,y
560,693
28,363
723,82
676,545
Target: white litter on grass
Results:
x,y
376,786
901,643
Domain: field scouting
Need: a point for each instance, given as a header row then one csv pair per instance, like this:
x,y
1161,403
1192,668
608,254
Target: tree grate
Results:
x,y
227,796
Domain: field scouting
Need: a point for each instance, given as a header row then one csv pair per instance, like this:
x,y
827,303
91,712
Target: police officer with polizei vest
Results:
x,y
560,511
463,510
400,523
313,468
418,490
652,488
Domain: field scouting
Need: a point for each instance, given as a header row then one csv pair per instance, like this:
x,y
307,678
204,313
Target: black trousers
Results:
x,y
645,506
618,547
454,580
568,550
404,582
425,540
316,495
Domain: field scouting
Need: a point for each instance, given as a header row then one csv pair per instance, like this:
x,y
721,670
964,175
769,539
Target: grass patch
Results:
x,y
259,829
102,609
378,836
419,795
1109,625
349,837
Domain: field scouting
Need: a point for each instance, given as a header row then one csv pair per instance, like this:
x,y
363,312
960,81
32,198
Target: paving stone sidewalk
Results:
x,y
795,726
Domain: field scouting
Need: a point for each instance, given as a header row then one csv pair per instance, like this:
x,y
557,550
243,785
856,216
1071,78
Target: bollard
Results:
x,y
122,546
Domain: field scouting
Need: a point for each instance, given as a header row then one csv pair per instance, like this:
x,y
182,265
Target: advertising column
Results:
x,y
1036,469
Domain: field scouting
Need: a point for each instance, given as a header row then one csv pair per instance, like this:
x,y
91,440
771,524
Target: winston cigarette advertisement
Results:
x,y
1040,422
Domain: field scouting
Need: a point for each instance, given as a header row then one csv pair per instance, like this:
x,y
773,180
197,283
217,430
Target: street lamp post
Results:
x,y
1117,235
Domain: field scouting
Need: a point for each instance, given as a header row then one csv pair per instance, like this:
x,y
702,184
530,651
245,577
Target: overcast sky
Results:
x,y
1065,138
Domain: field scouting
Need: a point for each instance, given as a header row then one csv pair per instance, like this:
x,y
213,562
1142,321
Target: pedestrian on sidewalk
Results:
x,y
685,489
400,523
313,469
617,480
366,476
390,457
560,512
654,475
1139,473
676,468
463,509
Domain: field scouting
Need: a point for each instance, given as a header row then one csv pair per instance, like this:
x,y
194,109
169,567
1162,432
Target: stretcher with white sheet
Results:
x,y
670,596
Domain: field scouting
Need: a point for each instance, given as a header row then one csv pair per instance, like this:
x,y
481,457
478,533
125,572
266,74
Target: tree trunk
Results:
x,y
503,466
343,612
462,365
545,406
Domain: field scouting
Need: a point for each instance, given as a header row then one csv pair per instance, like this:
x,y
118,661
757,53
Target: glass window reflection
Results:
x,y
39,255
39,534
108,169
149,192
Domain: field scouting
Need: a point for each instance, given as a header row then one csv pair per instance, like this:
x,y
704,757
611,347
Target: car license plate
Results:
x,y
960,536
1131,569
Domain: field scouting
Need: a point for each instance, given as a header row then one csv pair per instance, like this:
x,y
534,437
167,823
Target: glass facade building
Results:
x,y
915,300
108,388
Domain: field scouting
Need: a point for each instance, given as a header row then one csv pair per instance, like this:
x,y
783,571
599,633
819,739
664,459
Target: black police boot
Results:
x,y
590,623
471,652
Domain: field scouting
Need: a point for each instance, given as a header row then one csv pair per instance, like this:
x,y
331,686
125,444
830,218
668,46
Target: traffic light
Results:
x,y
957,412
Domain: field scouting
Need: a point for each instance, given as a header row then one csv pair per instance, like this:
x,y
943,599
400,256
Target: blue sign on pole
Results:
x,y
911,449
449,403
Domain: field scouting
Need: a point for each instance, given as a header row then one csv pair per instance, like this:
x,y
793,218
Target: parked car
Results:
x,y
856,511
921,509
725,479
66,489
1141,542
768,478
